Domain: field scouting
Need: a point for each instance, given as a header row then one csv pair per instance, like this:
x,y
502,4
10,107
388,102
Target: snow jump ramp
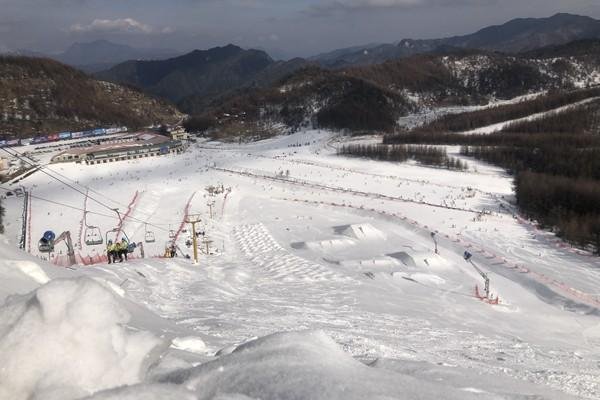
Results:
x,y
360,231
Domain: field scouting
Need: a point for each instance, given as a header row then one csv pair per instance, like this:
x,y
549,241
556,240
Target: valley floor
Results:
x,y
301,239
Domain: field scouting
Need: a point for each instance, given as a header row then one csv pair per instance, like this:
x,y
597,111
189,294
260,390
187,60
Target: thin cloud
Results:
x,y
344,6
379,3
330,7
119,25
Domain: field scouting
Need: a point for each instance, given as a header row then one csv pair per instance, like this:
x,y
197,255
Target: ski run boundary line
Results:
x,y
341,190
355,171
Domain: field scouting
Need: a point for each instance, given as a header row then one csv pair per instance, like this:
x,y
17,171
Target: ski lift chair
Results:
x,y
131,248
46,243
171,234
93,237
149,237
45,246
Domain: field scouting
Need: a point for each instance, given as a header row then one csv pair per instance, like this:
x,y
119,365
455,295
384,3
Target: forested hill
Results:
x,y
43,96
194,79
372,98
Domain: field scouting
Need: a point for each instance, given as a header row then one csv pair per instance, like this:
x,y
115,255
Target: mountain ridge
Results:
x,y
515,36
422,82
196,78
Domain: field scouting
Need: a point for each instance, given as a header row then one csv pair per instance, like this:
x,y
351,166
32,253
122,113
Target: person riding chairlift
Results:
x,y
111,251
123,249
170,251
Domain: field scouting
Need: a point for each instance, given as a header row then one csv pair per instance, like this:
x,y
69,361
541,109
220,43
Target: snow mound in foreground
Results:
x,y
310,365
301,365
148,392
22,273
67,339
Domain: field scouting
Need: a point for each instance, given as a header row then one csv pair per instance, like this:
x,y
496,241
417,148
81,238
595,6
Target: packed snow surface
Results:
x,y
317,278
66,339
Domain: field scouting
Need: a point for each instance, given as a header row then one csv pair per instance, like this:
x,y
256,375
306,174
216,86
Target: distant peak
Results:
x,y
229,47
561,16
102,41
98,41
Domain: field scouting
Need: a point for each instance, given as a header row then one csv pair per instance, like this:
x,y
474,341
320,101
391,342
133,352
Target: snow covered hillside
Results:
x,y
502,125
317,279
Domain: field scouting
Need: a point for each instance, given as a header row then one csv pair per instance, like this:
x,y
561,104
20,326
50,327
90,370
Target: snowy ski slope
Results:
x,y
327,260
501,125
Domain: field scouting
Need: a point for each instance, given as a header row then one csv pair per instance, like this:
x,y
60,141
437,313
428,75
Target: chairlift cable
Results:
x,y
76,189
45,169
76,208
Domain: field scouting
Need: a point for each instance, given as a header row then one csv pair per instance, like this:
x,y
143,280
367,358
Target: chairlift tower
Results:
x,y
193,220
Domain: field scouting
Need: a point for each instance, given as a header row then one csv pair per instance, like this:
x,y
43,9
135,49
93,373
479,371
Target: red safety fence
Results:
x,y
82,222
130,208
29,224
186,214
62,260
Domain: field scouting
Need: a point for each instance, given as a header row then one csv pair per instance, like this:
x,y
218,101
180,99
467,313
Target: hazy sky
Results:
x,y
283,27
